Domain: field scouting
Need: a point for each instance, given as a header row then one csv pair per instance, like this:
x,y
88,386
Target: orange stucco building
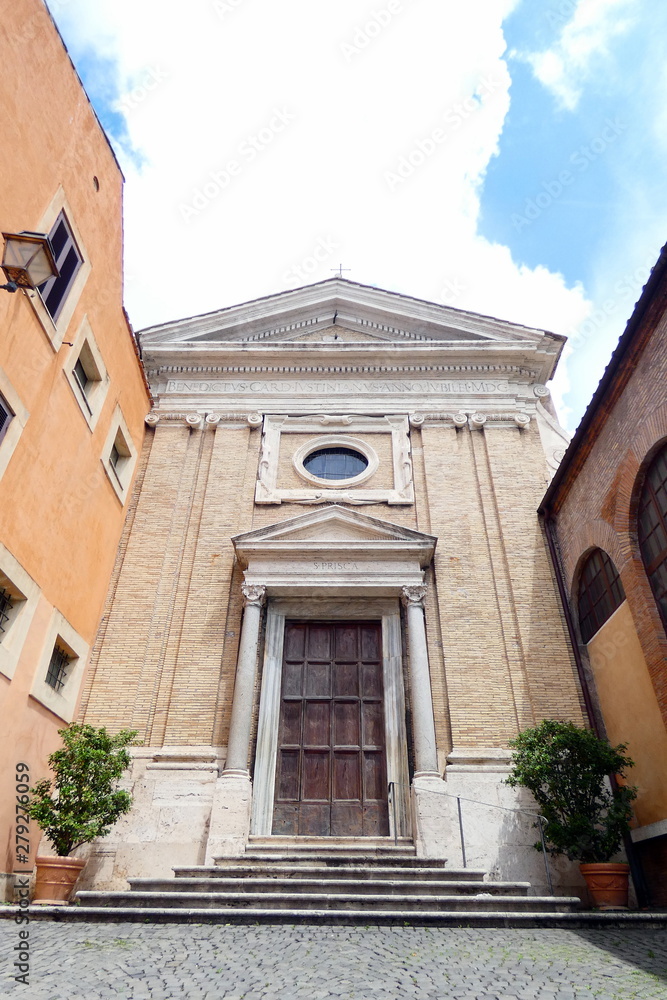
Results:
x,y
72,397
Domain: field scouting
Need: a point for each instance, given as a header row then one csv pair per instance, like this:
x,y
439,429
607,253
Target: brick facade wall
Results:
x,y
166,656
601,504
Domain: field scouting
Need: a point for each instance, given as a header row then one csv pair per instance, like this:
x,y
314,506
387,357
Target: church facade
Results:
x,y
333,604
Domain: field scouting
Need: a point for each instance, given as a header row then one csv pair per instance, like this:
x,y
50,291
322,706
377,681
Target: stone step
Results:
x,y
347,845
325,901
324,858
296,870
366,847
289,886
574,920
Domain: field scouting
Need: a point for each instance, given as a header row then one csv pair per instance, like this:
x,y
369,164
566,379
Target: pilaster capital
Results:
x,y
253,594
413,596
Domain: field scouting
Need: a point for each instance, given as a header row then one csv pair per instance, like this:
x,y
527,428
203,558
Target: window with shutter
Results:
x,y
68,259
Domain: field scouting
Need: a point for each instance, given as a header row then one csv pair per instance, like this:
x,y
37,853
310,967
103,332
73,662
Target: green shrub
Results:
x,y
565,768
82,801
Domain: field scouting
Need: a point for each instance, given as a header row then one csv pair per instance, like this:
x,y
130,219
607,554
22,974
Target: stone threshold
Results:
x,y
618,920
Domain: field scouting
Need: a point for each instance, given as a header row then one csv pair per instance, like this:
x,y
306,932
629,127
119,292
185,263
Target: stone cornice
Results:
x,y
537,357
499,369
349,304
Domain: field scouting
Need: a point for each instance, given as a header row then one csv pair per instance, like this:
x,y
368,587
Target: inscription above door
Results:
x,y
331,766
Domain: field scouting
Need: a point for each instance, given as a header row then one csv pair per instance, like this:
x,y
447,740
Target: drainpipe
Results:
x,y
552,541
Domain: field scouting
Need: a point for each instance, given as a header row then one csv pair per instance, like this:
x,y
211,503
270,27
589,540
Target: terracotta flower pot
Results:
x,y
607,884
56,878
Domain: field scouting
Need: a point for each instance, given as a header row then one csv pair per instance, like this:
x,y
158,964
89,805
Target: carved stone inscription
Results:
x,y
343,387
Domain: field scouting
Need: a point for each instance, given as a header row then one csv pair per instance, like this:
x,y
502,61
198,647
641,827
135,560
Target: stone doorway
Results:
x,y
331,771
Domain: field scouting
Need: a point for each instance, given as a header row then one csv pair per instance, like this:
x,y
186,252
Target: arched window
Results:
x,y
600,593
652,528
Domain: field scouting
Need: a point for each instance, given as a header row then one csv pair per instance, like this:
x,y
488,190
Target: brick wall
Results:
x,y
600,506
165,659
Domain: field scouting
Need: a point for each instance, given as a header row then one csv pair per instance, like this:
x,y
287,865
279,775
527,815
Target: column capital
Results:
x,y
414,595
253,594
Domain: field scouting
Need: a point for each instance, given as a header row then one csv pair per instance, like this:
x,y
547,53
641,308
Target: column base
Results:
x,y
230,816
434,817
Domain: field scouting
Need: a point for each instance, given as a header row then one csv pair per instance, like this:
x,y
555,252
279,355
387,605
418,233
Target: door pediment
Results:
x,y
334,551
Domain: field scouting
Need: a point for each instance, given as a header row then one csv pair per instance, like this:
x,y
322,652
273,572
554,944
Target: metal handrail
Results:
x,y
391,794
492,805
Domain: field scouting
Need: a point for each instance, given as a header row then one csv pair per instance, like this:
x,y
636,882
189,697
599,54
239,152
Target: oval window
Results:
x,y
335,463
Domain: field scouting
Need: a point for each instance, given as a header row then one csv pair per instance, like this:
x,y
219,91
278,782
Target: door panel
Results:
x,y
331,765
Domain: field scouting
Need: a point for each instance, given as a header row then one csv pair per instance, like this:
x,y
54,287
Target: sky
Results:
x,y
499,156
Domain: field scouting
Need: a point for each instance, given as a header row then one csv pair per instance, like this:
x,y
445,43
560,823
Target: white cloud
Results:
x,y
584,39
270,151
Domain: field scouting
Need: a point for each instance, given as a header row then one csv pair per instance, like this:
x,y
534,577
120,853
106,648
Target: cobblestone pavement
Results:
x,y
157,962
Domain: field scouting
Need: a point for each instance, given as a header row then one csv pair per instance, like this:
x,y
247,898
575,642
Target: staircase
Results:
x,y
278,880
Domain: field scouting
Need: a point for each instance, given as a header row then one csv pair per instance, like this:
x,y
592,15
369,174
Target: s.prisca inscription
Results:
x,y
343,387
336,567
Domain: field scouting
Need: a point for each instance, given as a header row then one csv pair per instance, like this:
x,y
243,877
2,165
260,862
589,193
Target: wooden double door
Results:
x,y
331,774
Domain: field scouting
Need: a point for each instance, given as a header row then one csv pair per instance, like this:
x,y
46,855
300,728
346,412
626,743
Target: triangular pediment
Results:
x,y
360,313
334,528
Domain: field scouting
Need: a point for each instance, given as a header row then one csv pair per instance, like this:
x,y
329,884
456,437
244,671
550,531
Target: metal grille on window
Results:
x,y
652,529
335,463
600,593
5,608
56,675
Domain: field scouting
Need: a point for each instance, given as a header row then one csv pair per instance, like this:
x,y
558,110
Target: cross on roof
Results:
x,y
340,270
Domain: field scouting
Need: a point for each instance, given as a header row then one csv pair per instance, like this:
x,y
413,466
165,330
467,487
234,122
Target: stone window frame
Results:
x,y
60,633
383,609
350,428
14,427
90,397
119,455
58,287
25,596
55,329
336,441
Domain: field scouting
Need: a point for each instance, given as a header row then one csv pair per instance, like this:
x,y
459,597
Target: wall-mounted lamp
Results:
x,y
28,260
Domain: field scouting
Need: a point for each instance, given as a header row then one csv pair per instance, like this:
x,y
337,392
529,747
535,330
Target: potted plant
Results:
x,y
566,768
80,803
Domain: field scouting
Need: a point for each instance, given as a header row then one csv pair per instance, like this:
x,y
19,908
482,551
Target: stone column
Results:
x,y
423,725
238,744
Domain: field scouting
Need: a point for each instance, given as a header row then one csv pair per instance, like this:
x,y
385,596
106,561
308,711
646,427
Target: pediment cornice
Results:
x,y
353,307
328,534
